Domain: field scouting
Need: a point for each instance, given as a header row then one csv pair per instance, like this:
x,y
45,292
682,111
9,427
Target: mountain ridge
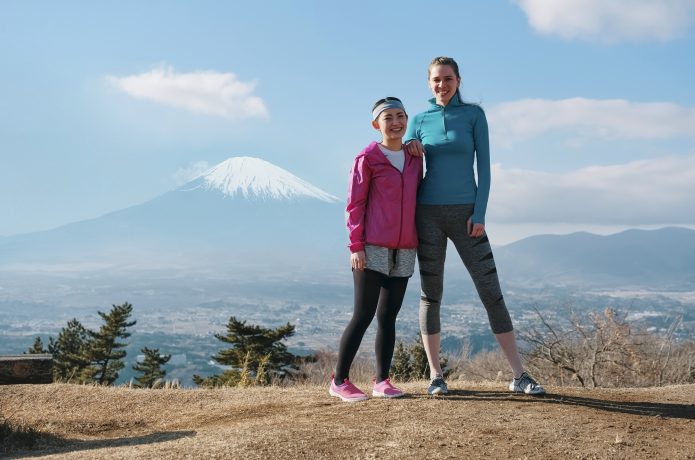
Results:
x,y
660,257
203,221
245,212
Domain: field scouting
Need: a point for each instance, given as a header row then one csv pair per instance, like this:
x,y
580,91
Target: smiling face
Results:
x,y
443,83
392,124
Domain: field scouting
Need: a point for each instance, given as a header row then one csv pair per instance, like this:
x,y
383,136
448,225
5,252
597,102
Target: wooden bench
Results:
x,y
26,369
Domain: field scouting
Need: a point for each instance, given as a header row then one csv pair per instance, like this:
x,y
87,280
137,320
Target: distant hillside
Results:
x,y
663,258
246,215
476,420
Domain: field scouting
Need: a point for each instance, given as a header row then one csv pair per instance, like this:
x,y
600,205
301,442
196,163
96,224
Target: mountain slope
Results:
x,y
242,209
246,212
664,257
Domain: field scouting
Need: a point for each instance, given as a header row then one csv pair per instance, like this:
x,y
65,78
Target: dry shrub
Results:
x,y
482,366
17,437
605,350
158,384
319,371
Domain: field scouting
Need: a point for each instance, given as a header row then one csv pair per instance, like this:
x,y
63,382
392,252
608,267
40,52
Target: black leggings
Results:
x,y
378,294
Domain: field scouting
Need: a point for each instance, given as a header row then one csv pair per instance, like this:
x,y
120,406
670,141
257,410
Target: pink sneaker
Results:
x,y
347,391
384,389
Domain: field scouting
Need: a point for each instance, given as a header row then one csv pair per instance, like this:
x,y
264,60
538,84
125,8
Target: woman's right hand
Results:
x,y
414,148
358,260
475,230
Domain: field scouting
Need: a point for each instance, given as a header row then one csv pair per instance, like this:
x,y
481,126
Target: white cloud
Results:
x,y
190,172
591,118
646,192
205,92
610,20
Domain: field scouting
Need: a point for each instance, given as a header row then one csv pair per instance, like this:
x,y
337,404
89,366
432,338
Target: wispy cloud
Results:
x,y
608,119
646,192
610,21
205,92
190,172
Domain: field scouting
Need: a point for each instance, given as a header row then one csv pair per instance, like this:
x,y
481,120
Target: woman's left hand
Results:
x,y
475,230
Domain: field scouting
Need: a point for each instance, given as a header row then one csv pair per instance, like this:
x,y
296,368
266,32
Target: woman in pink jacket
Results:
x,y
383,241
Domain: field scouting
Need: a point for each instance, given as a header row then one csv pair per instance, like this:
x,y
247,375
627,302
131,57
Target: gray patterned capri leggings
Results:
x,y
435,225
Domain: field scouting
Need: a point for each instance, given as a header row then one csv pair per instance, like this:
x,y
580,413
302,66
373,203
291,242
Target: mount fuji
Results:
x,y
247,216
255,179
242,212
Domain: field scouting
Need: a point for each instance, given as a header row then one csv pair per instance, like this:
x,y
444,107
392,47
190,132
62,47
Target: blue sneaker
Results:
x,y
526,384
437,387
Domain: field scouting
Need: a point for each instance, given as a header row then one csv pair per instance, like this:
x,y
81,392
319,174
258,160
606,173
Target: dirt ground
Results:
x,y
476,420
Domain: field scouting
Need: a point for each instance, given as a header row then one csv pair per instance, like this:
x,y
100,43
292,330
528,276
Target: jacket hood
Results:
x,y
376,156
369,150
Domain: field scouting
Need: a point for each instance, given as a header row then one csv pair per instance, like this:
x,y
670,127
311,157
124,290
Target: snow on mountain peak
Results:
x,y
253,177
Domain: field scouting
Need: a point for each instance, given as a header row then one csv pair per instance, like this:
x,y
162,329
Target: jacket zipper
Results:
x,y
400,223
446,132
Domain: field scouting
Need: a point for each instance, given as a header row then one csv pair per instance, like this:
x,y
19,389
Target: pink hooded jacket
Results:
x,y
381,201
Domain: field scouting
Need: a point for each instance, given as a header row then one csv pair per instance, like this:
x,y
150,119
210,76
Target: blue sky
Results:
x,y
104,105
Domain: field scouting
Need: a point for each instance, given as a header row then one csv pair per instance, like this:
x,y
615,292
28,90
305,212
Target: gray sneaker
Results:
x,y
526,384
437,387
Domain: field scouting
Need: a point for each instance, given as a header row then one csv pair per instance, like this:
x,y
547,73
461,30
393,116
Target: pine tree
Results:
x,y
401,367
252,347
410,362
420,365
151,367
69,352
36,348
104,352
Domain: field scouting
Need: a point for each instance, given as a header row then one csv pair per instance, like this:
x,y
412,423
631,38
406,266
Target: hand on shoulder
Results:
x,y
414,148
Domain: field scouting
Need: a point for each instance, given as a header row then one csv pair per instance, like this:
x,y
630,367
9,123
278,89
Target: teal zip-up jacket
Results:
x,y
454,136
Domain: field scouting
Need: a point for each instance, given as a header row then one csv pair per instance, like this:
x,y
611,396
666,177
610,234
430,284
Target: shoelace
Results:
x,y
526,379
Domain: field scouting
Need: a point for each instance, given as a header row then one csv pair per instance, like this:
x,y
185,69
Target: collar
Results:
x,y
456,100
375,154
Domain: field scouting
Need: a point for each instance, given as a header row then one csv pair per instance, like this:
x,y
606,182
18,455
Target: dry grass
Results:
x,y
476,420
18,437
319,371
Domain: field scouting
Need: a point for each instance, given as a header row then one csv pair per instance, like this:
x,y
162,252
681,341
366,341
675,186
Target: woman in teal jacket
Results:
x,y
451,205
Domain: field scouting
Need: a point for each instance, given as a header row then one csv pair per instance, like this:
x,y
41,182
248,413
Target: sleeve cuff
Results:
x,y
356,247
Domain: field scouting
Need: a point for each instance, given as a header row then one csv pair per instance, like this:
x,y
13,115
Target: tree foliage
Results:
x,y
151,367
410,362
104,351
37,348
256,356
401,366
69,352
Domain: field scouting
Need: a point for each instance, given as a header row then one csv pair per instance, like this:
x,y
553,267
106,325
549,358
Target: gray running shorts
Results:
x,y
390,262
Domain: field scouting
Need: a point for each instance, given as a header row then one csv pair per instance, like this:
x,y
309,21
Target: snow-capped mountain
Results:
x,y
250,177
241,211
249,218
